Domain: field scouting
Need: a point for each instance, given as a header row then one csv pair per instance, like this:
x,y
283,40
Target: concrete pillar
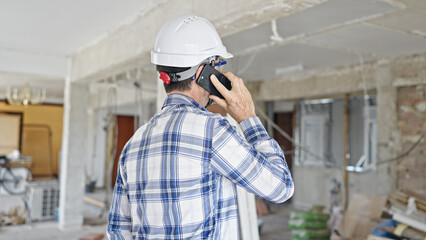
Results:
x,y
384,175
74,154
387,130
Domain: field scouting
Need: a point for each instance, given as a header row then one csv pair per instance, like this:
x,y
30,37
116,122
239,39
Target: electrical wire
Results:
x,y
247,64
138,96
325,160
139,86
403,154
291,139
112,108
366,105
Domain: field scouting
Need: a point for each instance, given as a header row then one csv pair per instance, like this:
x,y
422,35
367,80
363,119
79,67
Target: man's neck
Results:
x,y
186,93
196,93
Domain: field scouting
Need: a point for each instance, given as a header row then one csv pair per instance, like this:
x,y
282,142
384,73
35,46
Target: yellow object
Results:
x,y
94,202
400,229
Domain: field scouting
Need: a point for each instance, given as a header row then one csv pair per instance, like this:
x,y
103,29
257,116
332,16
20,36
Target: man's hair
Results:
x,y
181,85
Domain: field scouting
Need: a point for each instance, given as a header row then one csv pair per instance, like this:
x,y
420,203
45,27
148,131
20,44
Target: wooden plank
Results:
x,y
407,220
419,197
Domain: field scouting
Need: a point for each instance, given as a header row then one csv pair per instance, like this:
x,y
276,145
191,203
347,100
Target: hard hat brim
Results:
x,y
180,60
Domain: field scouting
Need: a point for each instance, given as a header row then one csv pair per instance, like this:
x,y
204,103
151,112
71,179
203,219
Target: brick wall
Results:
x,y
412,124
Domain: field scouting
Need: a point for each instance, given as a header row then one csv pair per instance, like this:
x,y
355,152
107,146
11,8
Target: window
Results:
x,y
370,138
314,132
362,136
313,136
320,130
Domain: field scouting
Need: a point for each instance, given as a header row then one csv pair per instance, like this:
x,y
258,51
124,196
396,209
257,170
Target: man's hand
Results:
x,y
238,102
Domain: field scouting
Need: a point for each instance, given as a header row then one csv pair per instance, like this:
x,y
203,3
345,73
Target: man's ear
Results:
x,y
197,74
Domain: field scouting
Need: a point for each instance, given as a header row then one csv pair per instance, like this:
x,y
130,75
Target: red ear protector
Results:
x,y
165,77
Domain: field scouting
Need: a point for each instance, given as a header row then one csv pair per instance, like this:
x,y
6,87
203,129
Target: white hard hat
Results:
x,y
186,41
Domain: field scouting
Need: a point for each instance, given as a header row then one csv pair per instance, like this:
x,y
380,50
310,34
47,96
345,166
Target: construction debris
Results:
x,y
15,216
391,229
408,210
402,215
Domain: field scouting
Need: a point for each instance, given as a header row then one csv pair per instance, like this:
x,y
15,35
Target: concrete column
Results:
x,y
385,174
387,129
74,154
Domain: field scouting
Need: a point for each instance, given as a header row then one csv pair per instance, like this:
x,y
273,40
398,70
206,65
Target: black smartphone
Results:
x,y
204,80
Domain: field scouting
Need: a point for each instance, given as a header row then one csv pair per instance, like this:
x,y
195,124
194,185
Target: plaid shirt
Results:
x,y
177,175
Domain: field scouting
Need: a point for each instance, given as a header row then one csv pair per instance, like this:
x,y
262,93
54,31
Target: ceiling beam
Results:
x,y
405,71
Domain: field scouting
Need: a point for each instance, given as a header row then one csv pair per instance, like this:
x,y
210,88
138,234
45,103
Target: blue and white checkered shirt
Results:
x,y
177,175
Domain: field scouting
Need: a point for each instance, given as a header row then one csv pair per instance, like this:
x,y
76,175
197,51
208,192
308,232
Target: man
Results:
x,y
177,175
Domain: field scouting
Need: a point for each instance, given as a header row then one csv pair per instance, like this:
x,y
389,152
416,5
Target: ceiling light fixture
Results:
x,y
25,96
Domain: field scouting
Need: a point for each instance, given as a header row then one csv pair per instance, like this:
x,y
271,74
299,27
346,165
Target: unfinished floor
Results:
x,y
275,225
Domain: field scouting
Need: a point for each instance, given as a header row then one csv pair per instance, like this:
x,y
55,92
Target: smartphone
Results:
x,y
204,80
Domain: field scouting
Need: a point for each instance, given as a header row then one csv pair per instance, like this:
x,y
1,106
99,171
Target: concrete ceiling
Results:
x,y
370,39
37,37
287,59
60,28
332,34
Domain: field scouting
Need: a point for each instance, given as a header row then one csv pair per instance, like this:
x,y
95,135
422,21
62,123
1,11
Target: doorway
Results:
x,y
285,121
125,130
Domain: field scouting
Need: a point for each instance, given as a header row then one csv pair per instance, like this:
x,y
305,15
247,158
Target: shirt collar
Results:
x,y
177,99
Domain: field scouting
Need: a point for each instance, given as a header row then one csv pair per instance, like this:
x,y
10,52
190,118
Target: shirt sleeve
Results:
x,y
255,163
119,218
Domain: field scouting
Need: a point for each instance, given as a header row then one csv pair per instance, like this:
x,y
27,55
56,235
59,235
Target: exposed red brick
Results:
x,y
411,122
